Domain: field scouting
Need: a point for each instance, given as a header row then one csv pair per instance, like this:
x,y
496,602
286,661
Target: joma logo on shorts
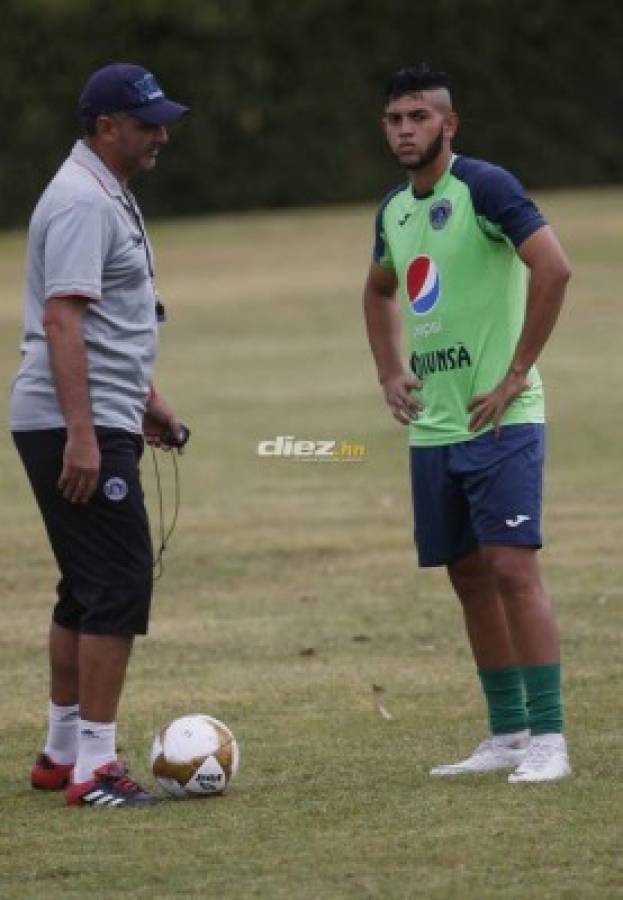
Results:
x,y
440,360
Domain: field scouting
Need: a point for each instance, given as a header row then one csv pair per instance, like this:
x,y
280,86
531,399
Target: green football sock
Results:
x,y
544,698
504,692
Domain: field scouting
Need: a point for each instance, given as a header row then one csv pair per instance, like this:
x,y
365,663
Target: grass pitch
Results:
x,y
291,588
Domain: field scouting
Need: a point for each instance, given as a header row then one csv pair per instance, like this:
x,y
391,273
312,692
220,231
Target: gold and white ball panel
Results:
x,y
195,756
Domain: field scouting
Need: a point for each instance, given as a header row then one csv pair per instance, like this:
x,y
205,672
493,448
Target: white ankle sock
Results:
x,y
96,746
62,742
552,739
513,739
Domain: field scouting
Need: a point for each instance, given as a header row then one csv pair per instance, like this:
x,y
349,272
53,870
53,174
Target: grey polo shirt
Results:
x,y
87,239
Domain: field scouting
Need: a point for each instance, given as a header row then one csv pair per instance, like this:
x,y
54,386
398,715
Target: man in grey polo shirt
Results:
x,y
81,403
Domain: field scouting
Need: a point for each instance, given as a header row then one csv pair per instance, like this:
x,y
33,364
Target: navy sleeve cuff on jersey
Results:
x,y
500,198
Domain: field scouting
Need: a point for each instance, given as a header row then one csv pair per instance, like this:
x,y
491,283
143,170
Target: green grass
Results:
x,y
274,559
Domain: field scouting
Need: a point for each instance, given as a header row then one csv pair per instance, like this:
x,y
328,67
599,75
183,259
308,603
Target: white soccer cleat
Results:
x,y
546,760
502,751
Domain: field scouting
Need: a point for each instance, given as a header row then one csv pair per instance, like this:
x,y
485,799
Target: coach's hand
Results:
x,y
397,390
81,466
491,407
153,426
167,433
161,427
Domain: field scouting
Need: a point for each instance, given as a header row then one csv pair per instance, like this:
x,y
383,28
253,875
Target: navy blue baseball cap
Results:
x,y
122,87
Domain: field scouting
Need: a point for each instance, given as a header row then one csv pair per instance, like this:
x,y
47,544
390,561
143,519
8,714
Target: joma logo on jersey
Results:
x,y
444,360
422,285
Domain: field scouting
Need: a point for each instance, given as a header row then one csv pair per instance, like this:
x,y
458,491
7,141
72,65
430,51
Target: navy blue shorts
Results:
x,y
484,491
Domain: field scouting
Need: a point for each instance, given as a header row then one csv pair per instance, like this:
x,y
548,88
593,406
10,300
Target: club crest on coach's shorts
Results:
x,y
116,489
422,284
440,212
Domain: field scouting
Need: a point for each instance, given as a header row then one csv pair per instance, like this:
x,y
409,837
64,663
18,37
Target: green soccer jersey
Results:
x,y
462,288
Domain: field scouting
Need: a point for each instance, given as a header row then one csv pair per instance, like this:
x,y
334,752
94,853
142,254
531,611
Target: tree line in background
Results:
x,y
286,94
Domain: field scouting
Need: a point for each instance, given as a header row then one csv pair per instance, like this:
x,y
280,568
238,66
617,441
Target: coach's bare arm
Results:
x,y
383,321
68,359
549,274
158,416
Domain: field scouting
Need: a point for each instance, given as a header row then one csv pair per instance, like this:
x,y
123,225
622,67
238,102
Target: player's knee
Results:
x,y
514,572
472,588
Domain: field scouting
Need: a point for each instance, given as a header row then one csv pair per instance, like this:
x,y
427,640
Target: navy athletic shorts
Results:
x,y
484,491
103,548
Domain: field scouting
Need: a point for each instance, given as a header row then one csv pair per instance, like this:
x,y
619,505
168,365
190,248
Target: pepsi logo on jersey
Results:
x,y
423,285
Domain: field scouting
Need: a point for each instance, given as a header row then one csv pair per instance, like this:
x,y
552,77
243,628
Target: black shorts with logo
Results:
x,y
103,548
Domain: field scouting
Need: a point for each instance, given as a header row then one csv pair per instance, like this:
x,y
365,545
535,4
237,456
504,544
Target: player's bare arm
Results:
x,y
68,357
383,322
549,274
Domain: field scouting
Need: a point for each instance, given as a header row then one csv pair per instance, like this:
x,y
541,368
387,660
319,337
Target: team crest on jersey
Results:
x,y
440,212
422,284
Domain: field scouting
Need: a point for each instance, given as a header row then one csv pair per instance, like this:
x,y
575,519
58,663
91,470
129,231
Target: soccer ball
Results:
x,y
194,756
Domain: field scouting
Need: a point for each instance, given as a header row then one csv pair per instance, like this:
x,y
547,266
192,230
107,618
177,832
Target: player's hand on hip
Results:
x,y
403,405
490,407
81,467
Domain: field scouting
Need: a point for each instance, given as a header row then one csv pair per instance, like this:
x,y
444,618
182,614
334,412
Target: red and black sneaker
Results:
x,y
47,775
110,786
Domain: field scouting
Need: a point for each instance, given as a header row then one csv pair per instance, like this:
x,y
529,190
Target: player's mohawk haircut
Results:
x,y
412,79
